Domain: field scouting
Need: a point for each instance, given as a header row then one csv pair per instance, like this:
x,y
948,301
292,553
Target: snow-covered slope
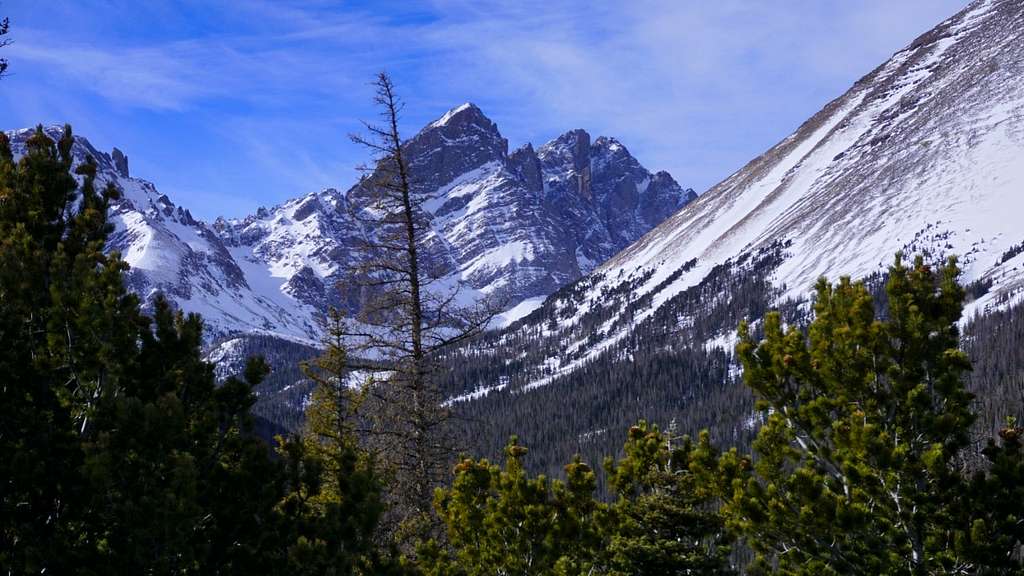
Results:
x,y
929,144
502,223
171,252
925,153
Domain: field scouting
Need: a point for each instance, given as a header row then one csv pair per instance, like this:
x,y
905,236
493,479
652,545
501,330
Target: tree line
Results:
x,y
688,377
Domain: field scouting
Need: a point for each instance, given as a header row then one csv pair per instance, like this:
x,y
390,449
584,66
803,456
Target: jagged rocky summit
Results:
x,y
519,224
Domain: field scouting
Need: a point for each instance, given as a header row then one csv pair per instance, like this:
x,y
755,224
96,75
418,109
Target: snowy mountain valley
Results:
x,y
647,282
475,360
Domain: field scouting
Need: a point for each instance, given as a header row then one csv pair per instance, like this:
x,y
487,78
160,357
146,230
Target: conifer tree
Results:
x,y
5,27
65,324
858,465
119,452
502,521
996,504
168,467
335,499
664,519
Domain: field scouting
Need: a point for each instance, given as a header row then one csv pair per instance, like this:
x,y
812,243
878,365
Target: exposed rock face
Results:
x,y
460,141
120,163
525,164
519,225
605,198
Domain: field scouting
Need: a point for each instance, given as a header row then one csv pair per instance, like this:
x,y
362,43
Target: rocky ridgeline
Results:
x,y
520,224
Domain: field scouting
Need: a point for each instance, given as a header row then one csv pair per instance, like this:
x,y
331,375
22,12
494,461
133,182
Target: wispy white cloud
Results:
x,y
696,87
690,86
162,78
181,74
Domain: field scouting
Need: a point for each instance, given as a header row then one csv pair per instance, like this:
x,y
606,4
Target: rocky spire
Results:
x,y
525,164
120,163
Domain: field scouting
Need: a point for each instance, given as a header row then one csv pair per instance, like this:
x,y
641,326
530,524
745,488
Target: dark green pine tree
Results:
x,y
119,451
65,324
177,483
664,520
996,505
858,464
581,521
502,521
5,26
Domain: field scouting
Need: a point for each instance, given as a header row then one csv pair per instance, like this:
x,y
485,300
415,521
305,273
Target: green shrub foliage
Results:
x,y
860,466
502,520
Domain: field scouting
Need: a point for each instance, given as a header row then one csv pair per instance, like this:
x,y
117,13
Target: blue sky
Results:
x,y
227,105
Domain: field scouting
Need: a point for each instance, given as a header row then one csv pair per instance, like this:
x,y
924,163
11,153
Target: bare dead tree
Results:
x,y
409,313
5,27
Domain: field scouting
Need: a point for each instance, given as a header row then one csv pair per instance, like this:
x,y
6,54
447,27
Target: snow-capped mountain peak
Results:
x,y
497,227
465,112
173,254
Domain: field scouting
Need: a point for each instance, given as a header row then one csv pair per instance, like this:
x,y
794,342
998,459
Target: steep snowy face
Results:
x,y
172,253
924,154
297,248
498,235
459,142
524,224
